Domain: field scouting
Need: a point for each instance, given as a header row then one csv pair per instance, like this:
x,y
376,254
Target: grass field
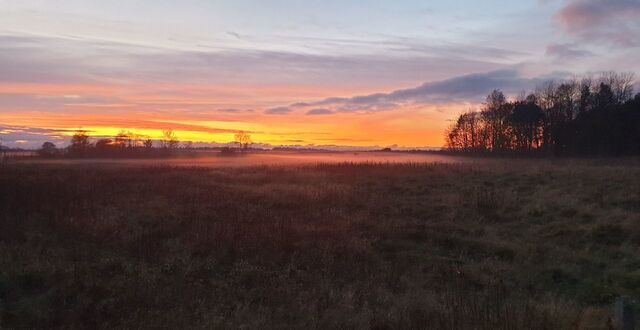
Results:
x,y
501,244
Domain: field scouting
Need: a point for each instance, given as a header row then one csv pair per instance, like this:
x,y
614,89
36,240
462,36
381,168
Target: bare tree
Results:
x,y
243,139
621,84
467,134
585,95
495,115
123,139
169,139
566,100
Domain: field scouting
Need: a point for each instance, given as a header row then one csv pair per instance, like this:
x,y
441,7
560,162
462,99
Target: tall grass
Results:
x,y
500,245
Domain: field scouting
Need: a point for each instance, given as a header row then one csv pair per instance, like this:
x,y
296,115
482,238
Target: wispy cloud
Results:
x,y
566,51
55,102
610,21
278,111
37,59
319,111
30,137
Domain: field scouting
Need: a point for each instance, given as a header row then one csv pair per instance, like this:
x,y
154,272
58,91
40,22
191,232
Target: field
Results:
x,y
497,244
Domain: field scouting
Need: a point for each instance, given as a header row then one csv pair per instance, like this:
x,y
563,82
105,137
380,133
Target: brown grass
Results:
x,y
508,244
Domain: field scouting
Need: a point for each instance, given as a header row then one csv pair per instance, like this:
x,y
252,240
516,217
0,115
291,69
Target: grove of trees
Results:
x,y
575,117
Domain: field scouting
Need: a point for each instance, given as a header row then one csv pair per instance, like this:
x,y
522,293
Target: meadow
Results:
x,y
491,244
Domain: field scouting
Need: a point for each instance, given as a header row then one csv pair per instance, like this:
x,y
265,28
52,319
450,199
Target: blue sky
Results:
x,y
210,63
283,25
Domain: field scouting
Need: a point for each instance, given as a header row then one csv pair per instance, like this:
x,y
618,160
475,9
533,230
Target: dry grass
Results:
x,y
499,245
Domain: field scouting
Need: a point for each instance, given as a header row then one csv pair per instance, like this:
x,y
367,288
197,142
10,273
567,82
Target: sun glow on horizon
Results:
x,y
414,129
104,110
290,73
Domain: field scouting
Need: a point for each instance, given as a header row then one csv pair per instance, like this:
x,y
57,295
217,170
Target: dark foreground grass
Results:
x,y
499,245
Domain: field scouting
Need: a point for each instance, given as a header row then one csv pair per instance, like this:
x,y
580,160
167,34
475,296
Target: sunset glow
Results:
x,y
319,164
348,73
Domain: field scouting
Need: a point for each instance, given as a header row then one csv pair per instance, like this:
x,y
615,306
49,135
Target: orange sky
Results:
x,y
202,113
333,72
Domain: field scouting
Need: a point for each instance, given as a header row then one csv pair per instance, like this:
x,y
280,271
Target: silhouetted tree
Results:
x,y
243,139
123,139
169,139
467,134
495,115
48,149
80,143
103,144
621,85
585,97
526,122
2,152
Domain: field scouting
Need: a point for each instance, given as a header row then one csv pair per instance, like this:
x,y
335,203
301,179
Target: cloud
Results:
x,y
611,21
39,59
319,111
233,110
278,111
465,88
133,70
33,59
237,35
566,51
54,102
30,137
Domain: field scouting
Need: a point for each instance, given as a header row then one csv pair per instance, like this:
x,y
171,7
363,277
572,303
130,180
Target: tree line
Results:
x,y
124,144
128,144
585,116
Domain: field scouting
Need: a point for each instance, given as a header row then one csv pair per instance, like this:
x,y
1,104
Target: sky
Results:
x,y
306,72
